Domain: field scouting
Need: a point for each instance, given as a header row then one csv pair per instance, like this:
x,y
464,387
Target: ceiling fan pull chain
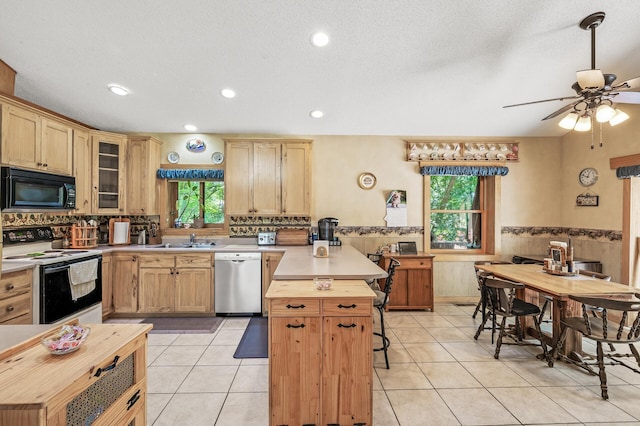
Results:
x,y
600,135
592,137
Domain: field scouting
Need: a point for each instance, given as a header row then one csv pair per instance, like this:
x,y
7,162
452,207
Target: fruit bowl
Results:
x,y
66,339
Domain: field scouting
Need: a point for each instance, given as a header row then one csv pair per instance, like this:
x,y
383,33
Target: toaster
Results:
x,y
266,238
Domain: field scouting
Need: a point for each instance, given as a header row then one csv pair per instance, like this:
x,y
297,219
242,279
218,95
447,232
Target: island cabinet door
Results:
x,y
347,370
294,370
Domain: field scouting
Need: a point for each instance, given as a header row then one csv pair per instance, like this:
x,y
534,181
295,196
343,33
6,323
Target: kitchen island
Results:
x,y
104,380
321,341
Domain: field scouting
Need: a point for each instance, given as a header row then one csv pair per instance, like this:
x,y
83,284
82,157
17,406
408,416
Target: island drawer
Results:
x,y
294,307
15,283
350,307
16,306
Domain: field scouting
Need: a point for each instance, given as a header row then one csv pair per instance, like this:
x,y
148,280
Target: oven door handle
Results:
x,y
52,270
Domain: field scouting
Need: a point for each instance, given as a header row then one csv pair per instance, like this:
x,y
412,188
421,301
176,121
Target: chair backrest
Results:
x,y
374,257
501,294
391,271
601,326
593,274
482,275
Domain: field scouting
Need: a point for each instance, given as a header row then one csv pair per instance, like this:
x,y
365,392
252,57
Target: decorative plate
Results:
x,y
367,180
173,157
195,145
217,158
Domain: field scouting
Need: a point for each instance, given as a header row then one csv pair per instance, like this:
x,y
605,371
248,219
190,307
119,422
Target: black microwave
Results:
x,y
32,190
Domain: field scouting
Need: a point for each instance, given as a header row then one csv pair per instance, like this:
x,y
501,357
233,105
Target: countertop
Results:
x,y
306,289
343,263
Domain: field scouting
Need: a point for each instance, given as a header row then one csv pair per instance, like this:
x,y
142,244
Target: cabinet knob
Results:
x,y
10,287
9,308
45,165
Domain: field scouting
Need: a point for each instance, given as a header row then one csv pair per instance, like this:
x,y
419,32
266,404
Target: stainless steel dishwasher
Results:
x,y
238,283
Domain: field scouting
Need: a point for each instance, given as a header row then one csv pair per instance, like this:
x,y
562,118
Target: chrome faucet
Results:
x,y
192,238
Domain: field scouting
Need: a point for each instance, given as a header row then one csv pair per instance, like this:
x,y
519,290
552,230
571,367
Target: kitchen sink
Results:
x,y
188,245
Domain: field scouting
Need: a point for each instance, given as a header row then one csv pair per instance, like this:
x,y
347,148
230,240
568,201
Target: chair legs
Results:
x,y
519,336
383,336
478,307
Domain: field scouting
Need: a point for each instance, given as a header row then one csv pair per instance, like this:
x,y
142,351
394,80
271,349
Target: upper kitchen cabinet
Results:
x,y
32,140
83,170
143,159
267,177
108,155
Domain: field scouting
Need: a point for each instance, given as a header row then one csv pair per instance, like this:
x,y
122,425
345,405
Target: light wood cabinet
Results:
x,y
176,283
108,180
107,285
32,141
267,177
413,281
143,159
125,283
321,353
16,297
270,261
83,170
105,380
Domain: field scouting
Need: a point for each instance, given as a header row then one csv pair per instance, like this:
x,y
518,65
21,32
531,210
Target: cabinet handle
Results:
x,y
111,366
296,326
132,401
341,306
347,326
10,287
9,308
45,165
296,307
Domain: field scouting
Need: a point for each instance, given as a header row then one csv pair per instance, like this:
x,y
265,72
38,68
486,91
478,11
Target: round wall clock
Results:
x,y
217,158
367,180
588,176
173,157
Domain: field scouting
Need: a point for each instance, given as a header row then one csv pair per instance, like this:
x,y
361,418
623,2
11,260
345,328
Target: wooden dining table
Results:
x,y
558,287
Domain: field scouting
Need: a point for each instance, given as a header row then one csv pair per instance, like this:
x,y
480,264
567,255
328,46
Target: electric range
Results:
x,y
55,299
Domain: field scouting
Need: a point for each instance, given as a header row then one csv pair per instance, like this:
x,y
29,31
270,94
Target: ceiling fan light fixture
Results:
x,y
569,121
583,124
604,113
619,117
590,79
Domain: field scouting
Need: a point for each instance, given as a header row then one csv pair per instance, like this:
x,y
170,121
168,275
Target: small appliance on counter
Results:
x,y
326,229
292,237
266,238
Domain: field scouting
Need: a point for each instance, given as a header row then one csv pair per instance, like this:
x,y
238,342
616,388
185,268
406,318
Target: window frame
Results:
x,y
490,190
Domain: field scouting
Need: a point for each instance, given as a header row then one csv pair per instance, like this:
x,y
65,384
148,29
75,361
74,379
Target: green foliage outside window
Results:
x,y
201,199
455,212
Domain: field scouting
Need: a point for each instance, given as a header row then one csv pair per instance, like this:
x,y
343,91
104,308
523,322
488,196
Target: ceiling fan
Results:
x,y
595,91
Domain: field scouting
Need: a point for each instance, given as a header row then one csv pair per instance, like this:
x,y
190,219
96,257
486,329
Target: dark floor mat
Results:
x,y
186,325
255,340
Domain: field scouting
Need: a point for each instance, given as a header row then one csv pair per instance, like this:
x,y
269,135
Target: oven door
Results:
x,y
56,300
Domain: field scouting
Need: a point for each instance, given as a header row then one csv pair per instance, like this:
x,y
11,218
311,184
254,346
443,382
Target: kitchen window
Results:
x,y
460,214
201,200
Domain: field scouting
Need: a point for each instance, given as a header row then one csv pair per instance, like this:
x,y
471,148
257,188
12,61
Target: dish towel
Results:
x,y
82,278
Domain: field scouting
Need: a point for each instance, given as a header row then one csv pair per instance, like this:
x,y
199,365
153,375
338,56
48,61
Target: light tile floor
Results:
x,y
439,375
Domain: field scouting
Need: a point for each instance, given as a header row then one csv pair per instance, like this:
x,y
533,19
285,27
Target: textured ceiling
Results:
x,y
393,67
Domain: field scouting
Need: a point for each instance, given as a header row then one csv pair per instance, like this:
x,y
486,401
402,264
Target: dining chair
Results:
x,y
610,326
502,301
380,302
480,276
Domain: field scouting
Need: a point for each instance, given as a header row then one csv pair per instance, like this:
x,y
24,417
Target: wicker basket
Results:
x,y
84,236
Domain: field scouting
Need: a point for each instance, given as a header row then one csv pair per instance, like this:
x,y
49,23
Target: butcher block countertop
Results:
x,y
343,263
306,289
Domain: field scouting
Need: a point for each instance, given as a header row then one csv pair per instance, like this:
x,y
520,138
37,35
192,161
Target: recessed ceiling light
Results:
x,y
316,113
118,90
190,127
319,39
228,93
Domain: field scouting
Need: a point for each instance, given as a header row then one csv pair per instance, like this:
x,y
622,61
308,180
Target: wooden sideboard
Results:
x,y
413,281
102,383
320,353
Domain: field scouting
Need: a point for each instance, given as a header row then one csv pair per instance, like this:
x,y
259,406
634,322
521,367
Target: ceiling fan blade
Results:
x,y
560,111
544,100
629,85
627,98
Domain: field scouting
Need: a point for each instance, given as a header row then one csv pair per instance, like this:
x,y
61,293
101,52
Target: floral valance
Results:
x,y
191,174
464,170
628,172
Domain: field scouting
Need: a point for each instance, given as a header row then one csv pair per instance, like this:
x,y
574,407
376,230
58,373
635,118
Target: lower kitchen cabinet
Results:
x,y
107,285
176,283
270,261
125,283
413,281
102,383
16,297
320,353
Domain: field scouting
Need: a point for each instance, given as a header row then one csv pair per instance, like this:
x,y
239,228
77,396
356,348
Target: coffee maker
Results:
x,y
326,228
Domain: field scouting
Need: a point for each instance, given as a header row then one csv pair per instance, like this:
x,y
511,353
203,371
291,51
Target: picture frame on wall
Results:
x,y
586,200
